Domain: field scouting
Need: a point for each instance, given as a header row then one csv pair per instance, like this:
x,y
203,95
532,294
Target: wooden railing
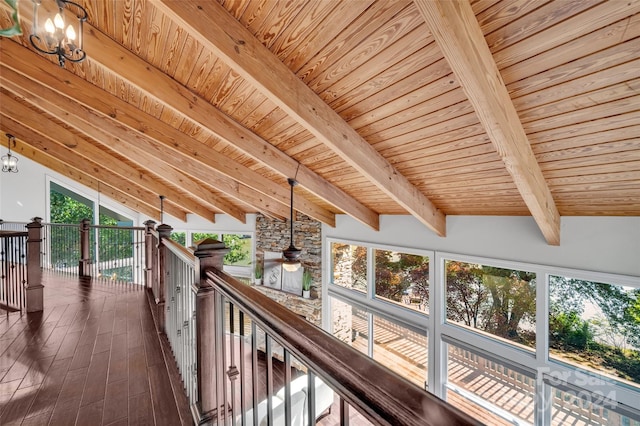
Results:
x,y
20,262
256,362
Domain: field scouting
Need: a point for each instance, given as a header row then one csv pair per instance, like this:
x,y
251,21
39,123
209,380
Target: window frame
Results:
x,y
438,331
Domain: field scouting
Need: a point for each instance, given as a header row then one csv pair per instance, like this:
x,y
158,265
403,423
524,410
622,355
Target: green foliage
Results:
x,y
65,209
466,295
258,269
179,237
238,250
569,332
307,279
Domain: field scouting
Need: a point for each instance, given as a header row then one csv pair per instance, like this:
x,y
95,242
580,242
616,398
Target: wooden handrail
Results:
x,y
379,394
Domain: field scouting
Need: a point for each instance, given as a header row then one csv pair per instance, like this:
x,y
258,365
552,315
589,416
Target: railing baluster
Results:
x,y
344,412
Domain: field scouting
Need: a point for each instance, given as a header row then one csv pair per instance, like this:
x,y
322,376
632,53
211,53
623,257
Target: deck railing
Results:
x,y
115,253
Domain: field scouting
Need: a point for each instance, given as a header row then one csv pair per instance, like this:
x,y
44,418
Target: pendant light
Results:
x,y
10,161
291,254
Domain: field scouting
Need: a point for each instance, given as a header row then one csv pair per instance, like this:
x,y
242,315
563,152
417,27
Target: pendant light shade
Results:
x,y
10,161
291,254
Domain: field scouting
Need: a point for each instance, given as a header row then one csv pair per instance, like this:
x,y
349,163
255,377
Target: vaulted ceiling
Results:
x,y
429,108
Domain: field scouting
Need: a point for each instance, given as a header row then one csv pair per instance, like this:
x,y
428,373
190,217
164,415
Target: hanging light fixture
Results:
x,y
9,161
291,254
53,38
162,197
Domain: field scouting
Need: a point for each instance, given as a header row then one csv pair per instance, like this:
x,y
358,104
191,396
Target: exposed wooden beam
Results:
x,y
34,120
157,84
129,127
65,161
457,32
118,139
216,29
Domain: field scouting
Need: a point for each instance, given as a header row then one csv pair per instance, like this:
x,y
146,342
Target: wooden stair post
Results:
x,y
34,289
164,231
85,256
209,254
150,255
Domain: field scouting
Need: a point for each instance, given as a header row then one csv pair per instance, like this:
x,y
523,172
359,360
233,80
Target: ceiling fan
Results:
x,y
291,254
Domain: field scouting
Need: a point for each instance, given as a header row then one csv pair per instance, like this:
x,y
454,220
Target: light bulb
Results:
x,y
58,21
48,26
71,33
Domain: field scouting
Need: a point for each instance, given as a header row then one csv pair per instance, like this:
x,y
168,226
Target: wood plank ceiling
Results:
x,y
493,107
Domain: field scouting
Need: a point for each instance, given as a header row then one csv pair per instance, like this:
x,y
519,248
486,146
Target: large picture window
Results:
x,y
507,342
402,278
595,326
497,301
349,266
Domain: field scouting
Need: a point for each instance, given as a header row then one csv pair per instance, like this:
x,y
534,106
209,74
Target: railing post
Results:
x,y
164,231
83,267
34,289
149,259
209,254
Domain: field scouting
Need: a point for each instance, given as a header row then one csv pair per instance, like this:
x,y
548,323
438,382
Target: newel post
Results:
x,y
209,254
85,257
34,290
164,232
149,253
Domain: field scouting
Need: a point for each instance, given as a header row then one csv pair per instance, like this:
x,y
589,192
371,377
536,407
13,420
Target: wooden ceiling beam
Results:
x,y
220,32
116,139
157,84
34,120
48,153
457,32
129,127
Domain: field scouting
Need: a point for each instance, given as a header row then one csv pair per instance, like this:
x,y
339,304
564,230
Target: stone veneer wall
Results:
x,y
273,235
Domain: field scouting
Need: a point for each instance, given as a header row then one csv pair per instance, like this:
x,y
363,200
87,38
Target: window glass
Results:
x,y
402,278
350,324
497,301
595,326
197,236
584,408
401,350
179,237
239,246
349,266
501,396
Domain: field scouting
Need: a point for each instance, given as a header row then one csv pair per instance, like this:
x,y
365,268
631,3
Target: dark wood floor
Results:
x,y
92,357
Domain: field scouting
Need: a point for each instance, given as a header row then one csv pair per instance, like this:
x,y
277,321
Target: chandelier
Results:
x,y
10,162
53,38
291,254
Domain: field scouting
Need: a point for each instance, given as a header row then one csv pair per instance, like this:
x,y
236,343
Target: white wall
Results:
x,y
23,195
602,244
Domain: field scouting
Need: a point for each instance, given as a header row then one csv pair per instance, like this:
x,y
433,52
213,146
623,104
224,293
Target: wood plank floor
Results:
x,y
92,357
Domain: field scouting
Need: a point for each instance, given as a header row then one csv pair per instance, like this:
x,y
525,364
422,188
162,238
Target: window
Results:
x,y
493,331
350,324
402,278
349,266
595,326
394,345
400,349
497,301
474,386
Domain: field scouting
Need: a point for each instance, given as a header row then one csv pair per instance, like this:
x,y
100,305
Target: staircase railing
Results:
x,y
13,269
21,266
